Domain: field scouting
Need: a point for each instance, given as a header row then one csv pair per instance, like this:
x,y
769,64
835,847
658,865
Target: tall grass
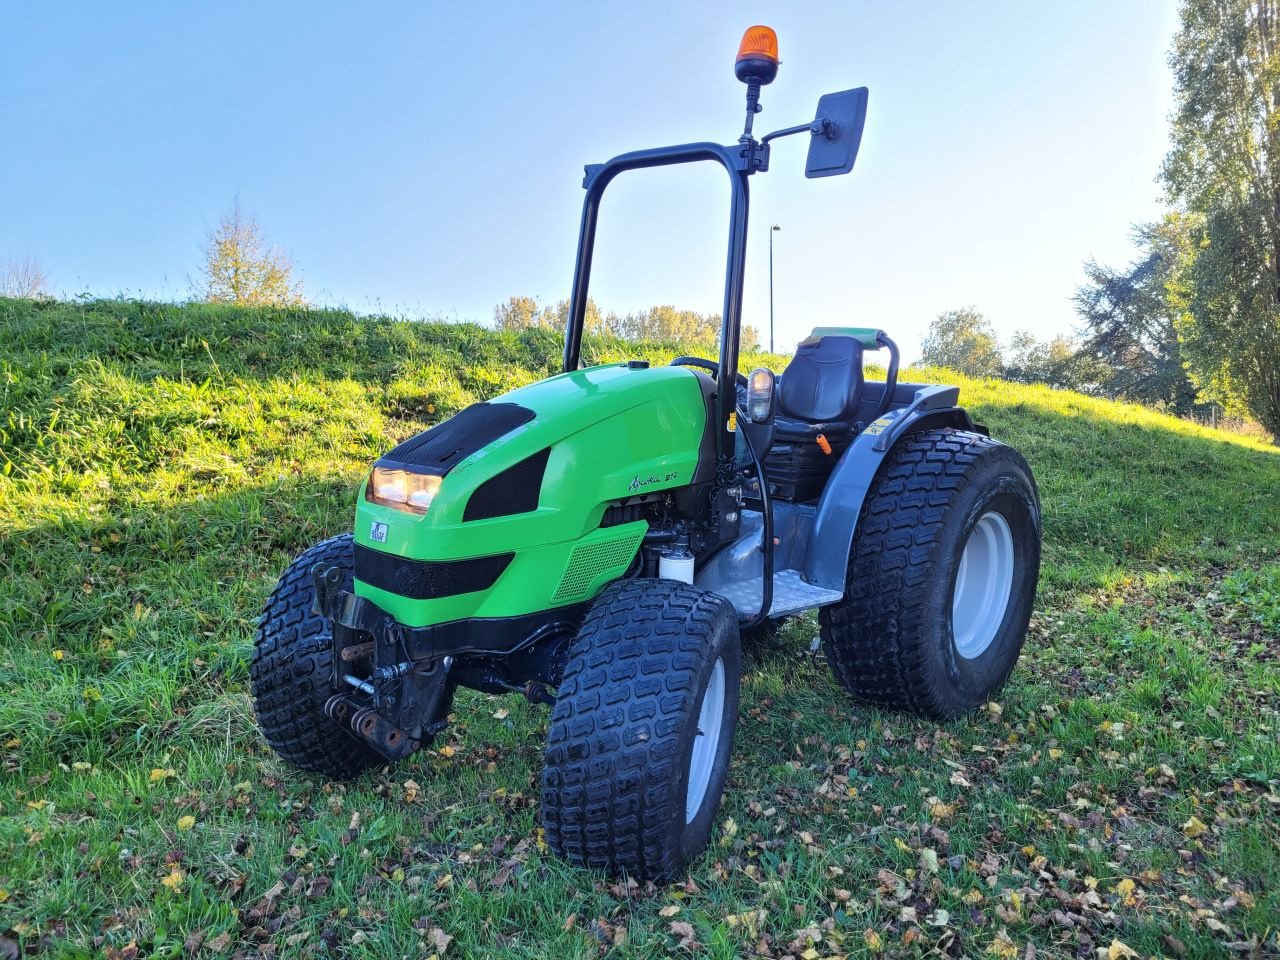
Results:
x,y
160,465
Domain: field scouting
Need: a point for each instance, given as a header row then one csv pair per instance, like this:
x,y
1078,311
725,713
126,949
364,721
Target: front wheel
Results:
x,y
292,671
942,576
638,749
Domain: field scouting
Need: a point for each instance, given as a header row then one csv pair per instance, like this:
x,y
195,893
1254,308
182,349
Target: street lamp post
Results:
x,y
772,230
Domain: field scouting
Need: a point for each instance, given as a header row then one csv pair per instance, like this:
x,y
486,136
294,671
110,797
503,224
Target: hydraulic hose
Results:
x,y
766,547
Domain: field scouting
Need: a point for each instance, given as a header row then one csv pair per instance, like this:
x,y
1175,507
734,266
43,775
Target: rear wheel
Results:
x,y
942,576
638,749
292,672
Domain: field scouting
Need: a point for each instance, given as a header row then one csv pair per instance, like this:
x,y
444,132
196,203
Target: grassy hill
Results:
x,y
160,465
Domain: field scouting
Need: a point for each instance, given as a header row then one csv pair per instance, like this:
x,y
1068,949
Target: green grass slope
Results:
x,y
160,465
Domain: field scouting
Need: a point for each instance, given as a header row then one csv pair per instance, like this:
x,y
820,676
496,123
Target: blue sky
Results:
x,y
427,158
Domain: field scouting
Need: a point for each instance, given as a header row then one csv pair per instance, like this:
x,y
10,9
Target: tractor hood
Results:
x,y
529,474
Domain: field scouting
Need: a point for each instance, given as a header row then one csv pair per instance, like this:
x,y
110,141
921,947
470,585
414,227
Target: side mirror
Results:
x,y
836,133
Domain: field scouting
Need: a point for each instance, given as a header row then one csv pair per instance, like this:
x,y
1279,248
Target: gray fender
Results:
x,y
827,557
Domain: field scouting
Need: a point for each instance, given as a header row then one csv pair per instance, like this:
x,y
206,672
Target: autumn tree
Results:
x,y
963,340
240,268
663,322
24,279
1224,171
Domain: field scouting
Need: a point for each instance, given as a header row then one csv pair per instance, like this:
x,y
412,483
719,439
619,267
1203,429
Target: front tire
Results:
x,y
292,671
942,577
638,750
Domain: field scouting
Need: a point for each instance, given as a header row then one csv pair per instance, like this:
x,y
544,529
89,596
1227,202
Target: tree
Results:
x,y
240,268
1224,169
24,279
518,313
656,323
963,340
1129,331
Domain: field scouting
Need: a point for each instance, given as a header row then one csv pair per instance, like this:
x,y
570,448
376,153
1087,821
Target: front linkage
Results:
x,y
407,699
397,683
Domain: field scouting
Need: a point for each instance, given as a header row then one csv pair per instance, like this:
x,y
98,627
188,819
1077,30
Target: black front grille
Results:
x,y
443,447
428,579
514,490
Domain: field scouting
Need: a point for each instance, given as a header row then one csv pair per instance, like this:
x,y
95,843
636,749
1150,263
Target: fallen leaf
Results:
x,y
1119,950
1003,946
187,822
683,930
1194,827
440,939
174,880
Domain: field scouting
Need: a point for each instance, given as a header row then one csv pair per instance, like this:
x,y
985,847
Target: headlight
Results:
x,y
401,489
760,395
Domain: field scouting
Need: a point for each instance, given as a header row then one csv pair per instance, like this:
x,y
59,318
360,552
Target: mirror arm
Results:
x,y
823,127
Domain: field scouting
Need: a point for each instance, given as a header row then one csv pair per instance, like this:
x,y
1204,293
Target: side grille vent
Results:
x,y
592,561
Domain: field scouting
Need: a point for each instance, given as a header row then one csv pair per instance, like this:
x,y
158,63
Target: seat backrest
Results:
x,y
823,381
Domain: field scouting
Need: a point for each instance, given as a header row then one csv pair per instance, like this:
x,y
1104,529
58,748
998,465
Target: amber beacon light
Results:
x,y
757,56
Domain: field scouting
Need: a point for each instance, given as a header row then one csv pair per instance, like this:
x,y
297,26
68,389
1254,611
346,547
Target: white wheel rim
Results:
x,y
983,585
706,742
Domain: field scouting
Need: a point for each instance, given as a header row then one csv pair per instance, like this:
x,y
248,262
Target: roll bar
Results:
x,y
739,160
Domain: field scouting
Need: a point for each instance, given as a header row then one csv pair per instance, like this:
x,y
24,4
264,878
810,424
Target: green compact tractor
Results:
x,y
600,541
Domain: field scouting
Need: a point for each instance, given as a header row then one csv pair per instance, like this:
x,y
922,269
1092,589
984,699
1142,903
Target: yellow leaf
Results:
x,y
36,804
1194,827
187,822
501,714
669,911
873,940
4,894
159,773
447,750
92,694
58,654
174,880
1054,753
1120,950
810,954
12,743
897,842
1003,947
1125,890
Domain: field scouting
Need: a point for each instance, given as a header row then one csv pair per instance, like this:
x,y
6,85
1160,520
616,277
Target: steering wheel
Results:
x,y
707,365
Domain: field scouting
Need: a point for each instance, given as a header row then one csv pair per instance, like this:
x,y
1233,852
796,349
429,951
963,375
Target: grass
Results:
x,y
160,465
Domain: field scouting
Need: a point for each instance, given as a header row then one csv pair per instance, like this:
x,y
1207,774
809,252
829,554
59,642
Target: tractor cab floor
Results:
x,y
791,594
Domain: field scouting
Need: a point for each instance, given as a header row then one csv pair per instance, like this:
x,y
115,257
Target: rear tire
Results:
x,y
638,749
292,669
942,577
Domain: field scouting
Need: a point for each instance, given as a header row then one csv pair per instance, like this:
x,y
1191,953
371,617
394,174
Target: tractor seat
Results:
x,y
820,389
818,396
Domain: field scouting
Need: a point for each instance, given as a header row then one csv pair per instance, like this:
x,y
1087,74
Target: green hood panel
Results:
x,y
612,432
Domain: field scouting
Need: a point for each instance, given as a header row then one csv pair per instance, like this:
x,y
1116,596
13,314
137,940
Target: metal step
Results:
x,y
791,594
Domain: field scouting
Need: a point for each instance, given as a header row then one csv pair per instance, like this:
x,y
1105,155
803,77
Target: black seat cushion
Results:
x,y
821,386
